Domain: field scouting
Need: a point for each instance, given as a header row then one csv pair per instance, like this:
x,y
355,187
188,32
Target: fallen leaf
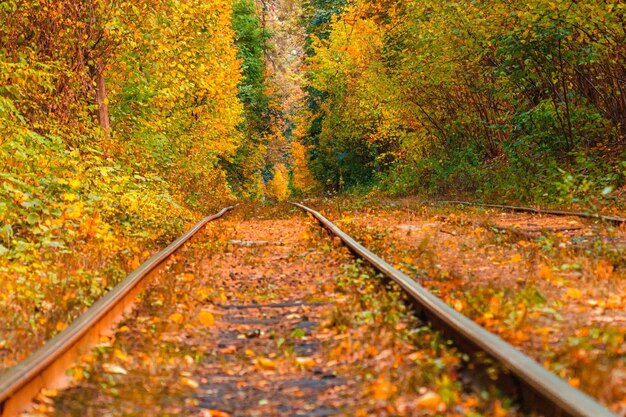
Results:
x,y
306,363
176,318
215,413
110,368
546,273
429,401
382,389
50,392
266,364
121,355
188,382
228,350
206,318
574,293
604,270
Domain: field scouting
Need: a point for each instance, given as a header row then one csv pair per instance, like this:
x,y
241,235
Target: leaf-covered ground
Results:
x,y
265,315
553,286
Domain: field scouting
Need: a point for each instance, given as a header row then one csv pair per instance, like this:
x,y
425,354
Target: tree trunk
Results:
x,y
101,99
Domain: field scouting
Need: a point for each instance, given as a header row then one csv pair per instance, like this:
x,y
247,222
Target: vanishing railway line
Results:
x,y
531,384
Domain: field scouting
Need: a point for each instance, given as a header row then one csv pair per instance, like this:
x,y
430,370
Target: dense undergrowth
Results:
x,y
119,122
497,100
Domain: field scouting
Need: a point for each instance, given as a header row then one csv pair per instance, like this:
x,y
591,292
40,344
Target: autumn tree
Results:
x,y
482,97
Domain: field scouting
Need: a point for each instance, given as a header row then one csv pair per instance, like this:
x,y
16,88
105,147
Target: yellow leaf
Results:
x,y
78,374
176,318
306,363
120,355
574,293
69,197
60,326
50,392
206,318
265,363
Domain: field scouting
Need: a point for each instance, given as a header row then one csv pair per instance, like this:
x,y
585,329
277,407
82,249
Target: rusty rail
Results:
x,y
530,383
610,219
46,367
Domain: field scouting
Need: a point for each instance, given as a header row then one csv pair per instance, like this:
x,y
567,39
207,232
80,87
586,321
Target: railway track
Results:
x,y
531,384
46,367
610,219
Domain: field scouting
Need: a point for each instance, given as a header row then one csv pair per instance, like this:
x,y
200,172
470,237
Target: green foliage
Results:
x,y
251,40
473,97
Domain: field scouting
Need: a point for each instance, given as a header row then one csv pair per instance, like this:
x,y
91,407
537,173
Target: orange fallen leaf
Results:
x,y
604,270
228,350
188,382
121,355
266,364
206,318
175,318
546,273
429,401
382,389
217,413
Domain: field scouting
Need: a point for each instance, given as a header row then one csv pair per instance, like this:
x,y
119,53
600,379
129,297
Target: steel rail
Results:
x,y
534,386
610,219
46,367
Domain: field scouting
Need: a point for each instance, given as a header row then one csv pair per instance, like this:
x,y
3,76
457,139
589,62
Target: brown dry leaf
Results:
x,y
206,318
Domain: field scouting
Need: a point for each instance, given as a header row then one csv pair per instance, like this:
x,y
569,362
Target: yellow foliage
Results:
x,y
278,187
303,179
